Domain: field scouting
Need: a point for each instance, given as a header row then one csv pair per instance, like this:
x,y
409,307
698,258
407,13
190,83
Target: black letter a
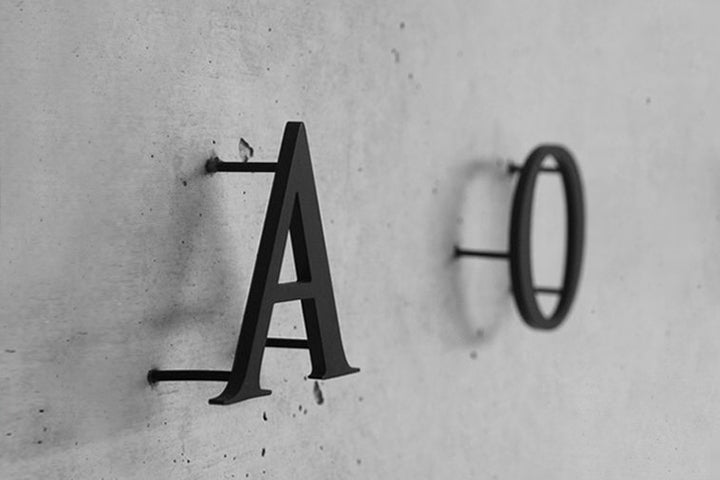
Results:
x,y
293,206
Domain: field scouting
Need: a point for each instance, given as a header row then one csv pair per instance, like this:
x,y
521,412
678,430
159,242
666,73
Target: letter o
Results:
x,y
520,221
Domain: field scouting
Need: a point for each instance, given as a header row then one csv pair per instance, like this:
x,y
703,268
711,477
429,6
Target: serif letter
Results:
x,y
293,207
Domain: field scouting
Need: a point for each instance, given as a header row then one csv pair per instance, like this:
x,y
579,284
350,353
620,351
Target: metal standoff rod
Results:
x,y
519,254
216,165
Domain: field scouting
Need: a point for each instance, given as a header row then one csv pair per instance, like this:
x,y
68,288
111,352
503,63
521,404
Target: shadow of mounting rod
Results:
x,y
519,254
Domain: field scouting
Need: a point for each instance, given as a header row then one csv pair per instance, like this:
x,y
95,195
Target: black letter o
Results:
x,y
520,257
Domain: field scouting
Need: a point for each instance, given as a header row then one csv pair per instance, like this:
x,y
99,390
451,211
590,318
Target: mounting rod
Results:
x,y
156,375
460,252
216,165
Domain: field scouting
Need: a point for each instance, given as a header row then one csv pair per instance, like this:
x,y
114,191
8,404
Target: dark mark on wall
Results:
x,y
262,454
246,151
9,350
265,416
473,354
319,399
396,54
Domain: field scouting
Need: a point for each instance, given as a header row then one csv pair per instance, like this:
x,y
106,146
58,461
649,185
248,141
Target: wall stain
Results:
x,y
396,54
319,399
245,150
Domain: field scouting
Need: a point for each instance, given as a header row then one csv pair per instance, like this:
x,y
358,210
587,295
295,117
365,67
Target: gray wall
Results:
x,y
118,254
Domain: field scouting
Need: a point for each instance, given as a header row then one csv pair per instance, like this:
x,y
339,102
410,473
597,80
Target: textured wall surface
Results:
x,y
118,254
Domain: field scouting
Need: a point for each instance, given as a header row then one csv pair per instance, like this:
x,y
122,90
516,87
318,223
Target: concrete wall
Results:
x,y
118,254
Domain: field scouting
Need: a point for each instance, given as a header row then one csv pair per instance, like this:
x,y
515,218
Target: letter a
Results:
x,y
293,206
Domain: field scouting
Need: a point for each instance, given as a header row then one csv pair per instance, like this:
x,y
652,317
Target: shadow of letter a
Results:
x,y
293,206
